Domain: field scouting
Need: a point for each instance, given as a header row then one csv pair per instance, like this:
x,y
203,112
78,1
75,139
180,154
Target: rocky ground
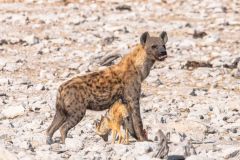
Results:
x,y
193,95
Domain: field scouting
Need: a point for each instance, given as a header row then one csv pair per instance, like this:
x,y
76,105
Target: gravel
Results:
x,y
44,43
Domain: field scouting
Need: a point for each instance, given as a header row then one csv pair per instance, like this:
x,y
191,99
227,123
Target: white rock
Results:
x,y
45,50
46,74
22,144
26,158
187,44
231,152
14,40
31,40
6,155
143,157
11,67
47,115
192,129
177,150
38,140
40,87
201,73
120,149
175,138
73,144
58,40
4,81
3,62
21,154
13,111
76,20
237,73
211,38
144,147
197,157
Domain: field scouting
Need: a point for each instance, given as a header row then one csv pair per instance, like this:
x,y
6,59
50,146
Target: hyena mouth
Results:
x,y
161,57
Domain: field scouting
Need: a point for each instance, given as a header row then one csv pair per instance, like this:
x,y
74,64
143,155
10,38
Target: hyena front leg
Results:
x,y
132,95
128,125
136,120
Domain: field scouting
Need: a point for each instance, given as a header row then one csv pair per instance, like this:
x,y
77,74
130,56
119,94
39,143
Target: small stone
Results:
x,y
143,147
175,138
3,41
199,34
13,111
40,87
71,144
231,152
236,73
45,50
193,93
6,155
201,117
121,149
187,44
31,40
77,21
55,147
11,67
192,129
15,40
143,157
234,130
124,7
197,157
176,157
47,115
211,38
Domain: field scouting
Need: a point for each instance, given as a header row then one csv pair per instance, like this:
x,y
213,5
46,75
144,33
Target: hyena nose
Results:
x,y
162,51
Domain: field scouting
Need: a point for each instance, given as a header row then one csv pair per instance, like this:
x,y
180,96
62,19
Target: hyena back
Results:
x,y
99,90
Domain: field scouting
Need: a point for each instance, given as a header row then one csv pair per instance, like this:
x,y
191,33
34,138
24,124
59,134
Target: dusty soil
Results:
x,y
44,44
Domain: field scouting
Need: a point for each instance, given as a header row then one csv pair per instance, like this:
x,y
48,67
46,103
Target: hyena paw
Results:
x,y
49,140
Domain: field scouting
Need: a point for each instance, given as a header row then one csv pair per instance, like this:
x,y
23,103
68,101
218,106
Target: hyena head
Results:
x,y
155,46
102,128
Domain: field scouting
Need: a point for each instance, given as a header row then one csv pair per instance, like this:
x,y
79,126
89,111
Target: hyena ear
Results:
x,y
144,38
164,37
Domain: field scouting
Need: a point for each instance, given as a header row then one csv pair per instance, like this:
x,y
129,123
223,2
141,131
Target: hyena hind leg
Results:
x,y
70,122
58,120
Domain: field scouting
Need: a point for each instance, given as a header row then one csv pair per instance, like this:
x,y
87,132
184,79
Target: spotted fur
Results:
x,y
99,90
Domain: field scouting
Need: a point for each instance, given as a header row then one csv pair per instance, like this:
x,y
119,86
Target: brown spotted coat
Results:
x,y
99,90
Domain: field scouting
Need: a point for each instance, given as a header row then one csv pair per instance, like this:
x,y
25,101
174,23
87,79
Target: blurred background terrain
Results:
x,y
194,94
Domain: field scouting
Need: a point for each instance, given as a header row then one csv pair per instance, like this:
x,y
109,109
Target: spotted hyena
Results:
x,y
99,90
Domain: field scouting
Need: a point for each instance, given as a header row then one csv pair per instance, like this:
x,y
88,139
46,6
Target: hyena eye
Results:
x,y
154,46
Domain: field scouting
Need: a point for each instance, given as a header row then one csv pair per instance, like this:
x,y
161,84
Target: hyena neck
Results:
x,y
145,68
139,59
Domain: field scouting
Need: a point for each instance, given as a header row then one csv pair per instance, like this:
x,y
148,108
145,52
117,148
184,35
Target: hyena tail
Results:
x,y
59,118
